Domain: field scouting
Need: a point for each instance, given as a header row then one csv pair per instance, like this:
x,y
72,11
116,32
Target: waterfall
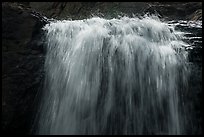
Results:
x,y
117,76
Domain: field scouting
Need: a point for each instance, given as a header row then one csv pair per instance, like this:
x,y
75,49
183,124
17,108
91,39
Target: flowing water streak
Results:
x,y
118,76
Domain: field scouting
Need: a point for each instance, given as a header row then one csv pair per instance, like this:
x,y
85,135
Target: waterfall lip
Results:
x,y
188,35
184,23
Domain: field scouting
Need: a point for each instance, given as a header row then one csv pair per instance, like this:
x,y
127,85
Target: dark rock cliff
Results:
x,y
22,67
80,10
23,53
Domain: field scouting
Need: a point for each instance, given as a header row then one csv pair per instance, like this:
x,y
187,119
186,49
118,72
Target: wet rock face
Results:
x,y
21,68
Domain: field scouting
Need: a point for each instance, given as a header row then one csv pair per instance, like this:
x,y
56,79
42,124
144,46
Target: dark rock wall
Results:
x,y
80,10
22,68
23,53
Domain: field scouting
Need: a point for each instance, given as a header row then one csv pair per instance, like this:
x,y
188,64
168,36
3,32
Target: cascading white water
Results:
x,y
118,76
